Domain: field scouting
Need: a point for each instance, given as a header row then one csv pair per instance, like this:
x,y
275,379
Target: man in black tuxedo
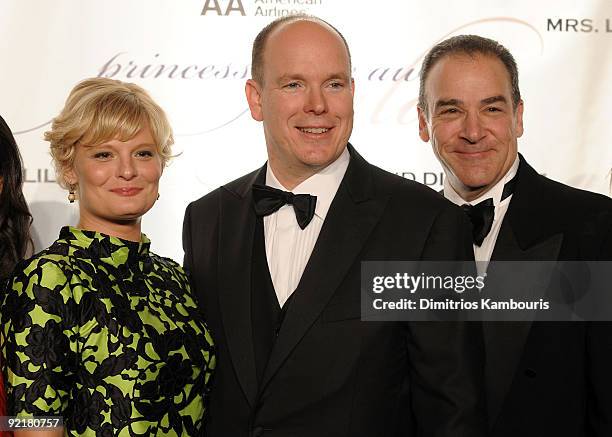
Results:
x,y
277,271
543,378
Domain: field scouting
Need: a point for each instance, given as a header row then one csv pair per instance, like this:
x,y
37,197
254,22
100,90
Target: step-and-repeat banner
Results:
x,y
193,56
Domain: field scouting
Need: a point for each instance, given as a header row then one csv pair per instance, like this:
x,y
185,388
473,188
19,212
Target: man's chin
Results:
x,y
469,186
474,174
320,158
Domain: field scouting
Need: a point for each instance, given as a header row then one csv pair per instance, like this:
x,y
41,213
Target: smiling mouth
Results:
x,y
314,130
472,152
127,191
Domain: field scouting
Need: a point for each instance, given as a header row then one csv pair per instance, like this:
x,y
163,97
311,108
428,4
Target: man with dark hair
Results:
x,y
545,378
275,258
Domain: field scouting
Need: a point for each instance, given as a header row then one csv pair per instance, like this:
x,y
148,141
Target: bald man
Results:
x,y
275,259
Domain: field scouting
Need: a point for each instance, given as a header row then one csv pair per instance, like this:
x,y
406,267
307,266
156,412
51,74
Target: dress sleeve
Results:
x,y
38,323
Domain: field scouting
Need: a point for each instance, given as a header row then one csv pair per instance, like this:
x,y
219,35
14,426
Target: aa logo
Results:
x,y
213,7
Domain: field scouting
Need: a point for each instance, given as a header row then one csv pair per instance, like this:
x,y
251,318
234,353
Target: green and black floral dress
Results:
x,y
106,334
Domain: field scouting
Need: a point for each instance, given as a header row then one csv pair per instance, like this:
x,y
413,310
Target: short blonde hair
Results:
x,y
101,109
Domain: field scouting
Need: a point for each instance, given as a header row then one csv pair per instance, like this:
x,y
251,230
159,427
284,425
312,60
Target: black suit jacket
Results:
x,y
551,378
329,373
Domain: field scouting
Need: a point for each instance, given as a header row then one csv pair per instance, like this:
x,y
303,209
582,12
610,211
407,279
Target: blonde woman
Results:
x,y
100,330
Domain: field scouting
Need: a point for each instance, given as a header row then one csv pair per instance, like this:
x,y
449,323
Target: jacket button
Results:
x,y
258,431
530,373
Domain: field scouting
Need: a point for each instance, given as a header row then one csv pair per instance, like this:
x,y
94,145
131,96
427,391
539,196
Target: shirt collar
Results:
x,y
494,193
323,184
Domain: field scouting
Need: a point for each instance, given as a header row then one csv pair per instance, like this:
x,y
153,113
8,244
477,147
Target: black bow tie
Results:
x,y
269,200
482,214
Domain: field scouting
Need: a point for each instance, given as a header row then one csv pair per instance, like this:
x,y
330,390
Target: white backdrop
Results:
x,y
193,57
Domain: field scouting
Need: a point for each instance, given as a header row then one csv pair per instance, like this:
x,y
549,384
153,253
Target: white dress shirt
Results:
x,y
288,248
484,252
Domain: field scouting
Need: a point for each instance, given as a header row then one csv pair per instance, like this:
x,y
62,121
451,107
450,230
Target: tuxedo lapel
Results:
x,y
508,248
535,229
505,341
353,214
525,235
236,234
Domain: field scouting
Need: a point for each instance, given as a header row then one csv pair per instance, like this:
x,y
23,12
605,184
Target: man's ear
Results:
x,y
423,126
519,119
253,96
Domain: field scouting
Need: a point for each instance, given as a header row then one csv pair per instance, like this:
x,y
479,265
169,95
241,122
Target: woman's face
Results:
x,y
117,181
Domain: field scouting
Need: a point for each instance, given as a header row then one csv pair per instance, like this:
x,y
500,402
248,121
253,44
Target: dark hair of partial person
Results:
x,y
15,218
259,44
470,45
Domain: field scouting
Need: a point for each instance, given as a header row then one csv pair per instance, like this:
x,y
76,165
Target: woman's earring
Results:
x,y
71,194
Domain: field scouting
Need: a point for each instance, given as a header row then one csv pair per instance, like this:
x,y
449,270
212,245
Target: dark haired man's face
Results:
x,y
306,101
471,122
